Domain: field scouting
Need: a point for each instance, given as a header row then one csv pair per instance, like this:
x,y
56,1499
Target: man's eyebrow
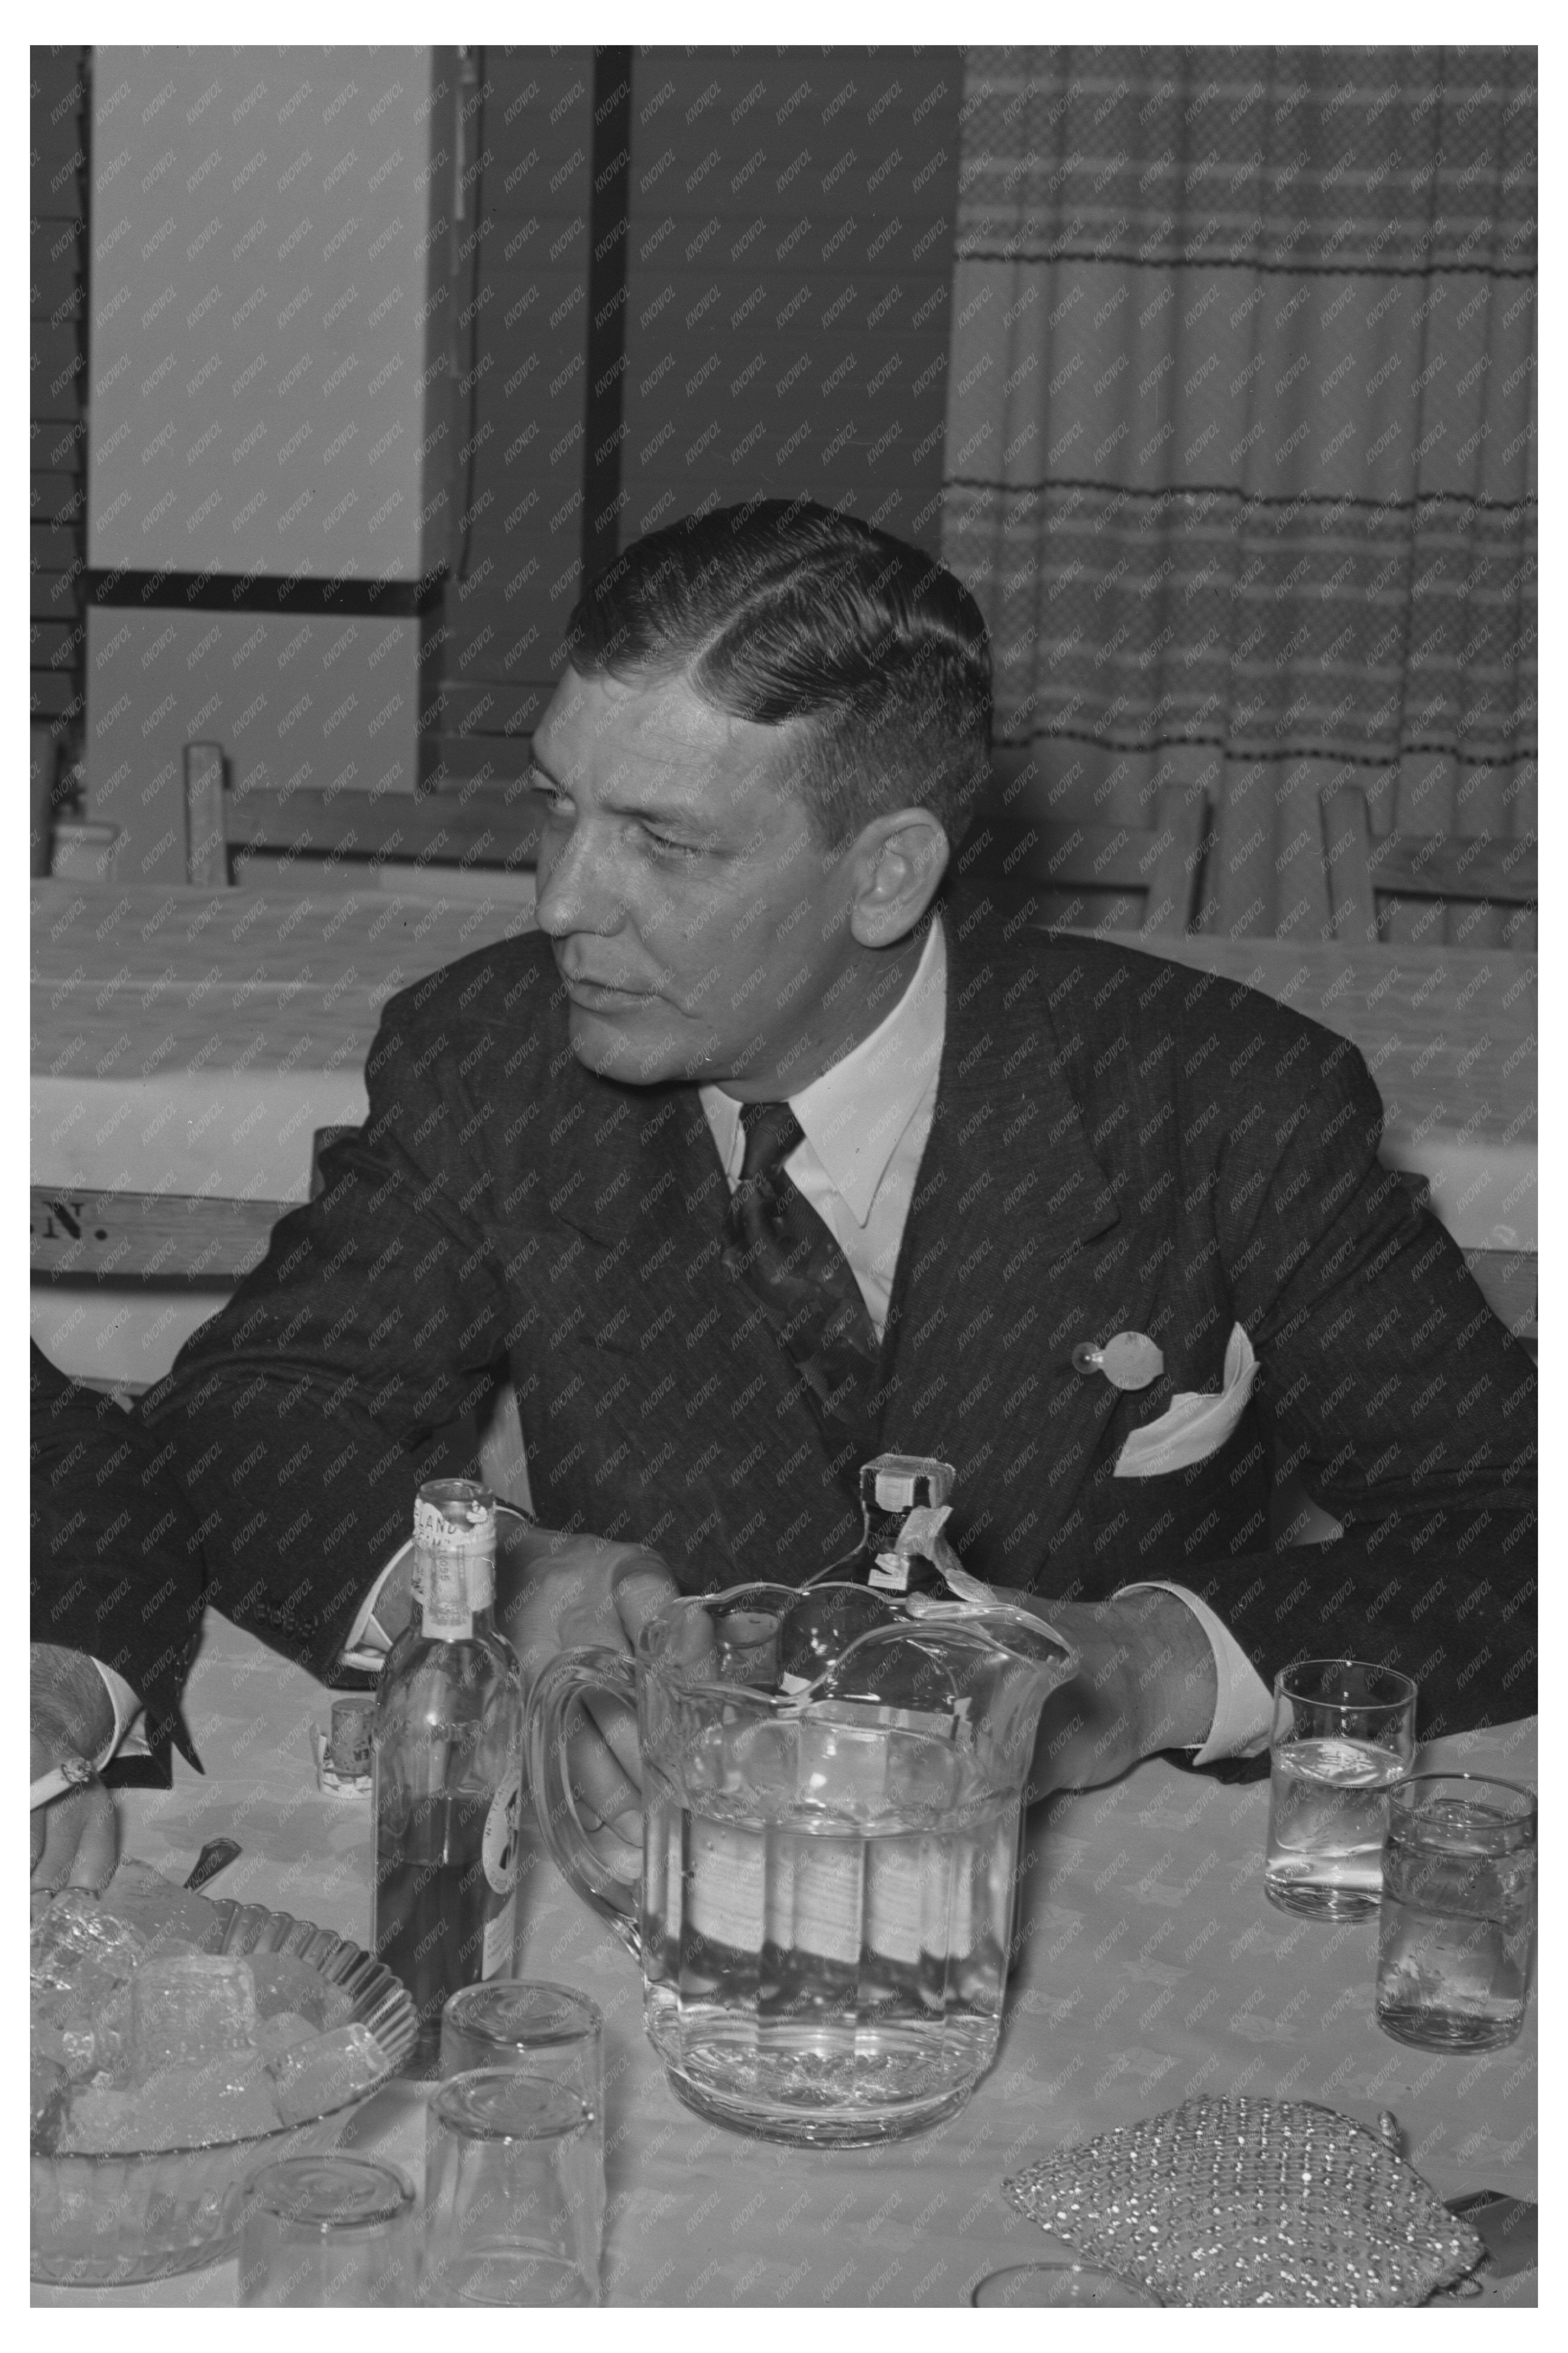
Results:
x,y
670,813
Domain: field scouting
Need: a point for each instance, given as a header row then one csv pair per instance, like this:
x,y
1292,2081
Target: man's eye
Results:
x,y
668,847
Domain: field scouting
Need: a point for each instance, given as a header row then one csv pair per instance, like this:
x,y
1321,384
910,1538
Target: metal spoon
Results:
x,y
215,1856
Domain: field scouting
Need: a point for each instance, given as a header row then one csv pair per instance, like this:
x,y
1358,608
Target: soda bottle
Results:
x,y
447,1767
904,1501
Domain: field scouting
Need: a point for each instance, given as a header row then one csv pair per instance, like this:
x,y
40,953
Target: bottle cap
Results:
x,y
891,1482
454,1556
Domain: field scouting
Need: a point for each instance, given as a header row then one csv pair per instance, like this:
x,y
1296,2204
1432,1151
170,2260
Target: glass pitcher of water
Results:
x,y
824,1913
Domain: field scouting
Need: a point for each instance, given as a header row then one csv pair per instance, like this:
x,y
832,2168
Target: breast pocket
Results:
x,y
1197,1426
1168,1523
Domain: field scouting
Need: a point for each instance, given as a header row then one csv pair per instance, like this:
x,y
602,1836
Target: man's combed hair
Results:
x,y
781,610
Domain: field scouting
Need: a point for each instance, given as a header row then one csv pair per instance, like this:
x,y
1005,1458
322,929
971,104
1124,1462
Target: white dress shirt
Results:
x,y
865,1124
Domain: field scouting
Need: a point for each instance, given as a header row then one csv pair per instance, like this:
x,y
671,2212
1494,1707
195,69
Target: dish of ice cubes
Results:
x,y
176,2043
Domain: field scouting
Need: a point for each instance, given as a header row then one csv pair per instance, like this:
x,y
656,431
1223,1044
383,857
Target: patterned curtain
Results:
x,y
1241,445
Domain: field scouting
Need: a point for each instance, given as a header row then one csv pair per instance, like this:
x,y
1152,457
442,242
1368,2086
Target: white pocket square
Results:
x,y
1196,1423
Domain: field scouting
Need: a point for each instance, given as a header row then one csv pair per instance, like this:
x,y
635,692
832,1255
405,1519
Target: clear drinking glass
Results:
x,y
545,2029
514,2192
1344,1731
331,2230
1456,1931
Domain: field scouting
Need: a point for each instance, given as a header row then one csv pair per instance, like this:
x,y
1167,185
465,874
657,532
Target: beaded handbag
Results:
x,y
1238,2201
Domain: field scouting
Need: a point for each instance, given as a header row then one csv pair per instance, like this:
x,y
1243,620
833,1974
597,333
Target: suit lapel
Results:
x,y
727,1436
1017,1249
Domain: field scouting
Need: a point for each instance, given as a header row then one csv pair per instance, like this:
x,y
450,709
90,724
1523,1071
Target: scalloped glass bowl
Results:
x,y
104,2222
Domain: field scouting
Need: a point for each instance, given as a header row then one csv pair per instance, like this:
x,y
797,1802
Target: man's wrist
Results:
x,y
1173,1683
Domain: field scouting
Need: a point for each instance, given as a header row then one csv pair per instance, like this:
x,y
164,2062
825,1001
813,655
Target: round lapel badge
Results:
x,y
1129,1360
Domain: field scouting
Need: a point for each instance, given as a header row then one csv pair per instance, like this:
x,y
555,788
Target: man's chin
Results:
x,y
630,1044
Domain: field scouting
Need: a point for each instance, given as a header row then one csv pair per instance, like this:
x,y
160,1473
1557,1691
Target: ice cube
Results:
x,y
47,2042
167,1918
47,2095
225,2098
81,1963
285,1982
100,2118
79,1953
79,2049
187,2008
321,2075
283,2031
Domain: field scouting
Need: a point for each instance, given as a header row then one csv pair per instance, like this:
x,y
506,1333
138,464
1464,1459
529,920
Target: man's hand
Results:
x,y
1146,1681
554,1593
73,1836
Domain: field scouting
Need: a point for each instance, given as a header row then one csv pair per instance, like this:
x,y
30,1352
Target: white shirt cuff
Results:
x,y
369,1642
1244,1707
127,1714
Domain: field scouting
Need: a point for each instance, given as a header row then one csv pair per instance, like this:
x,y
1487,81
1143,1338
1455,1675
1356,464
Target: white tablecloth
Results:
x,y
1150,1967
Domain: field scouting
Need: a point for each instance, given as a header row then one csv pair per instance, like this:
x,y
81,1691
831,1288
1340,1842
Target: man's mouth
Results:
x,y
603,997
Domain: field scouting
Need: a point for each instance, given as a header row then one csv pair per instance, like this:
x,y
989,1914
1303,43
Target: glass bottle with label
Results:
x,y
448,1766
902,1552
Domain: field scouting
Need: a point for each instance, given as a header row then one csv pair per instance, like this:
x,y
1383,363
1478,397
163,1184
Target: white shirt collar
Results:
x,y
854,1115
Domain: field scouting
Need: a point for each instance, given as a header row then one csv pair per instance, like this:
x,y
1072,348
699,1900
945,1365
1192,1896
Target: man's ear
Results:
x,y
900,861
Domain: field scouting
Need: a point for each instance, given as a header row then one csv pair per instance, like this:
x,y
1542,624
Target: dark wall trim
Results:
x,y
608,237
256,592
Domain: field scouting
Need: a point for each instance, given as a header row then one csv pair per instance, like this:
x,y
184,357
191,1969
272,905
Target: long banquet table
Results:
x,y
1149,1967
191,1042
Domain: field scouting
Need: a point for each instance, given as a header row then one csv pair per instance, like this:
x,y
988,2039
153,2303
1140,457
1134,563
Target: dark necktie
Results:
x,y
780,1248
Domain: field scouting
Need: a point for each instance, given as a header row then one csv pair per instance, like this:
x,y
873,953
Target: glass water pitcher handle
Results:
x,y
561,1683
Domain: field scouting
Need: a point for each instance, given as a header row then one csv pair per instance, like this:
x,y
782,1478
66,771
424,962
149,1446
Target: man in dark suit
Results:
x,y
773,1149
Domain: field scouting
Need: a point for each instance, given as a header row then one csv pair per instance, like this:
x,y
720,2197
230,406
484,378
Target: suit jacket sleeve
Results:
x,y
111,1573
296,1426
1404,1402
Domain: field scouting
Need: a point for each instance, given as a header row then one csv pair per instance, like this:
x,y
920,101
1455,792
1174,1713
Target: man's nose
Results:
x,y
577,890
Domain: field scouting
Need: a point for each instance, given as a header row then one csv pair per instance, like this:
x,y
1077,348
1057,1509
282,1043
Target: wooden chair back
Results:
x,y
1159,864
1359,864
41,762
206,832
85,850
